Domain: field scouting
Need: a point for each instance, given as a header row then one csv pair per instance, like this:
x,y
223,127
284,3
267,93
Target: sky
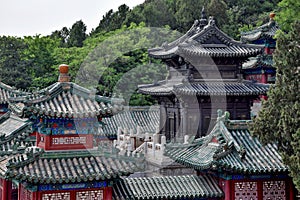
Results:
x,y
32,17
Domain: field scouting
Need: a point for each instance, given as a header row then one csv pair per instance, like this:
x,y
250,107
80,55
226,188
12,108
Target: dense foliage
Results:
x,y
118,45
279,120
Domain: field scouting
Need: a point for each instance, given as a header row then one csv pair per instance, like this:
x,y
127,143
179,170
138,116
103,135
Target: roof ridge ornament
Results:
x,y
222,117
211,21
203,20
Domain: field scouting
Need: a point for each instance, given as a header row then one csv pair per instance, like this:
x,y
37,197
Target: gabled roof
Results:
x,y
267,30
7,92
162,88
65,99
205,41
14,133
39,167
262,61
146,118
207,88
167,187
229,147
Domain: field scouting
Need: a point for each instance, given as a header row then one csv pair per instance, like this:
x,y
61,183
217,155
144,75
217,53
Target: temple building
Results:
x,y
205,74
64,162
261,68
243,167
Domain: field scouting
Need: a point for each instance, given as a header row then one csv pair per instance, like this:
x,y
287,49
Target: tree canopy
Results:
x,y
279,119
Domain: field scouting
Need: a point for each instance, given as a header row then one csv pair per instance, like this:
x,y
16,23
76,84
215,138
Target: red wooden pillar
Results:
x,y
107,193
264,77
35,195
260,190
290,189
6,189
228,190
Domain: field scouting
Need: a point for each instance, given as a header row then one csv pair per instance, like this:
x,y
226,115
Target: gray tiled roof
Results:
x,y
208,88
147,118
167,187
13,130
162,88
230,148
221,88
209,41
66,100
7,91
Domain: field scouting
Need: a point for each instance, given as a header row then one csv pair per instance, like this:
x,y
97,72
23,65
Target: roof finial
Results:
x,y
272,21
203,20
63,73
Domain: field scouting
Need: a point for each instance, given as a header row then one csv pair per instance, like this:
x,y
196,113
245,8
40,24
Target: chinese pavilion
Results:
x,y
205,74
261,68
245,168
65,115
65,163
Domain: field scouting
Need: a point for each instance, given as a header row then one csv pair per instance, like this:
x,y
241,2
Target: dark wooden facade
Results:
x,y
205,74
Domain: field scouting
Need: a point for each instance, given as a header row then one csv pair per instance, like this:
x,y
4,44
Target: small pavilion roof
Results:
x,y
38,167
267,30
7,92
262,61
65,99
206,88
14,133
167,187
205,41
230,147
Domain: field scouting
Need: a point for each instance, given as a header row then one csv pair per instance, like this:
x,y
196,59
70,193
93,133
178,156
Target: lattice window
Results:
x,y
274,190
57,196
245,191
90,195
25,194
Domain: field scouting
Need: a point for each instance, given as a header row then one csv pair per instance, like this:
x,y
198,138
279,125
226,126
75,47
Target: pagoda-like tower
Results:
x,y
261,68
205,74
65,115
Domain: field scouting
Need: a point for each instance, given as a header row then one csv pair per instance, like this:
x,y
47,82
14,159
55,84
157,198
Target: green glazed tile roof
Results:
x,y
7,92
167,187
265,61
66,99
267,30
14,133
147,118
230,147
66,167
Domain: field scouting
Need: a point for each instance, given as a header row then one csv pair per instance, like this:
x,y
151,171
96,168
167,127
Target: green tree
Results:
x,y
279,119
289,11
39,54
77,34
187,11
62,35
112,20
13,68
217,8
